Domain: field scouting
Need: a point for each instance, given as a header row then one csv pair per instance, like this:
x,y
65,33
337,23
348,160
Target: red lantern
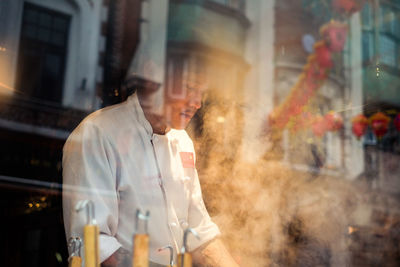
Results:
x,y
333,121
277,119
347,6
319,126
313,71
294,108
295,104
335,34
379,123
302,121
313,78
360,124
299,97
313,66
323,55
397,122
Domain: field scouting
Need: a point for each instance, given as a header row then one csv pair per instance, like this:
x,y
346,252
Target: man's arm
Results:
x,y
213,254
120,258
89,174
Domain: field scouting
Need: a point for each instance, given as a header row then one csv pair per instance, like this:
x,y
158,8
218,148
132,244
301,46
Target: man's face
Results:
x,y
183,110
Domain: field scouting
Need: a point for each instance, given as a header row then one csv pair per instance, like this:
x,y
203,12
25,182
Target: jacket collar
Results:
x,y
134,102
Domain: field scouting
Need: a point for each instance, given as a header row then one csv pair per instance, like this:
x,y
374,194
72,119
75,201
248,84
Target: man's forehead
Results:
x,y
198,84
197,77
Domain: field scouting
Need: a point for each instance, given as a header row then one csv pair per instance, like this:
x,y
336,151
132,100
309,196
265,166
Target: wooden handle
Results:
x,y
75,261
186,258
140,250
91,238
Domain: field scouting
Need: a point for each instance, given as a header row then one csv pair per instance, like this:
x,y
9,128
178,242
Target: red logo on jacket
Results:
x,y
187,159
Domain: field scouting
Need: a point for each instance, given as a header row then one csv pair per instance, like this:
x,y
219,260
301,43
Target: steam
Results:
x,y
269,214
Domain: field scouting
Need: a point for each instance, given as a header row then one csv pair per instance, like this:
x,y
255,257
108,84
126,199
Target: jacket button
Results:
x,y
184,224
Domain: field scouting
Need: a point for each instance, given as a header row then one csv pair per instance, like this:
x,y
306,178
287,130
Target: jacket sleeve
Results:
x,y
199,219
89,172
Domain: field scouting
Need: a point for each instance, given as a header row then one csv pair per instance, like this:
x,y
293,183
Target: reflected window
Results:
x,y
389,35
368,46
177,72
234,4
389,20
386,35
42,53
388,53
367,17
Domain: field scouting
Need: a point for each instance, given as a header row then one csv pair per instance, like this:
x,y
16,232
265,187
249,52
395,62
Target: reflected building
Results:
x,y
335,153
363,80
380,27
61,60
206,44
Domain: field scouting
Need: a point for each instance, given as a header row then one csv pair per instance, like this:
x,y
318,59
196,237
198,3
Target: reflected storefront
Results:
x,y
297,138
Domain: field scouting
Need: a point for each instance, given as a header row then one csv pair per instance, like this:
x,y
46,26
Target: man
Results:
x,y
128,157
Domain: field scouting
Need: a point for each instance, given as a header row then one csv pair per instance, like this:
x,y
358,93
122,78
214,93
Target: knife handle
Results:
x,y
91,243
186,258
141,250
75,261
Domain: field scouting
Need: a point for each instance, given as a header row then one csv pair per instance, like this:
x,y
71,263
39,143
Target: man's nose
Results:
x,y
195,99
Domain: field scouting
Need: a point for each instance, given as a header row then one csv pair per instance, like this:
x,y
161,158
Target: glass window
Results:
x,y
45,20
60,24
367,46
366,16
389,21
30,31
31,16
388,51
396,25
44,35
57,38
221,1
235,4
42,53
177,68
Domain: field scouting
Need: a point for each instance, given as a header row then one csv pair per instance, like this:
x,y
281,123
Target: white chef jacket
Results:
x,y
114,159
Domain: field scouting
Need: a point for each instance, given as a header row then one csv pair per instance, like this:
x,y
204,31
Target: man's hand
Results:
x,y
213,254
120,258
